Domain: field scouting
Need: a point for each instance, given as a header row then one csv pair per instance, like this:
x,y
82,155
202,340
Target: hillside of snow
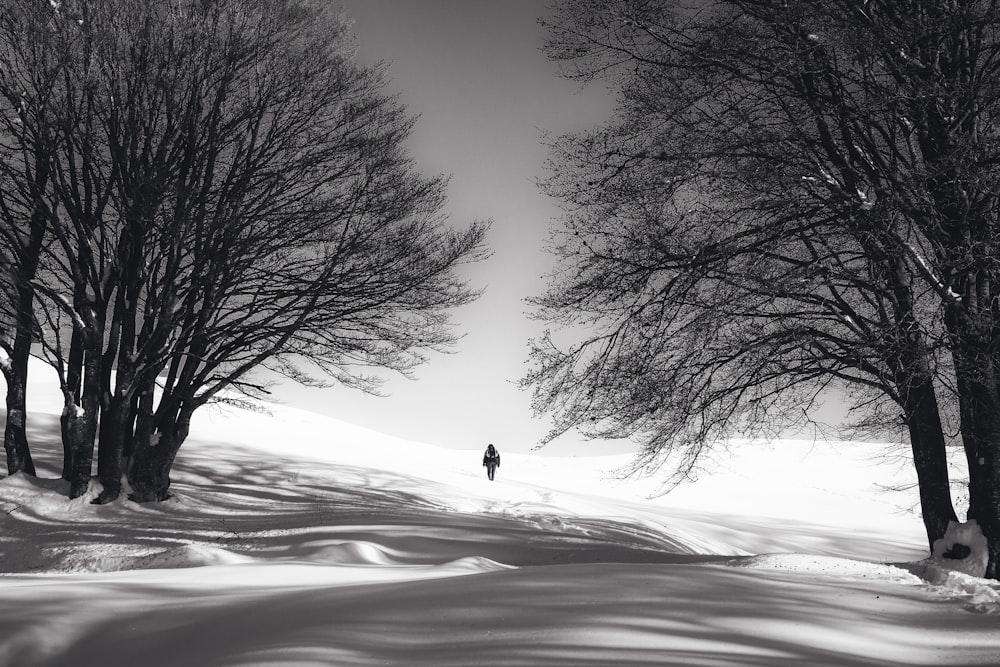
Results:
x,y
294,539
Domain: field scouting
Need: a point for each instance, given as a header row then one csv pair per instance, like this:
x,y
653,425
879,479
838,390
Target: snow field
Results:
x,y
297,540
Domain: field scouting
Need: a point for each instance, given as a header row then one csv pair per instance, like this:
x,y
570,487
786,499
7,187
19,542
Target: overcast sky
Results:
x,y
474,73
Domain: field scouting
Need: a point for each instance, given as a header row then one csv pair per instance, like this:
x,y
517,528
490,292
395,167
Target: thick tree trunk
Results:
x,y
81,429
84,429
73,428
15,433
984,477
144,423
980,411
116,429
66,424
71,401
915,385
930,458
153,458
982,450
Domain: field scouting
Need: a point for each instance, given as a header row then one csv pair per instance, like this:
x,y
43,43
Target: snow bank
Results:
x,y
957,566
976,594
828,565
980,595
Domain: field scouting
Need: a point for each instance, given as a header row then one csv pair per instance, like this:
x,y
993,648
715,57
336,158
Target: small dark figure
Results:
x,y
491,460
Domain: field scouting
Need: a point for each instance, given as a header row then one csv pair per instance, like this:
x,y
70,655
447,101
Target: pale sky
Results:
x,y
474,73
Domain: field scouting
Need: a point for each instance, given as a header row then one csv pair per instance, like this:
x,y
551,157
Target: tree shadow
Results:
x,y
287,509
591,590
594,614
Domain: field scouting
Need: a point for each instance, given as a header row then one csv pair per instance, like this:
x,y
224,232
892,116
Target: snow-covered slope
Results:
x,y
294,539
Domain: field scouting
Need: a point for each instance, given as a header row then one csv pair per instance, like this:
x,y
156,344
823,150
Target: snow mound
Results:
x,y
973,558
473,564
188,555
47,497
828,565
978,594
43,496
353,553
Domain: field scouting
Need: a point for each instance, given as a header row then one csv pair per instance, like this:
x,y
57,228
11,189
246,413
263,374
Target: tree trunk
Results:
x,y
982,449
71,402
144,423
15,433
915,385
71,426
84,429
118,418
81,429
153,458
930,458
980,411
116,428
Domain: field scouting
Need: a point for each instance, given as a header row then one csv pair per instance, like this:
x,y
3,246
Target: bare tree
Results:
x,y
740,220
232,192
28,78
943,62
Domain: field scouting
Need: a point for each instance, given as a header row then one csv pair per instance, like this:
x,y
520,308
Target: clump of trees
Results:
x,y
192,190
790,195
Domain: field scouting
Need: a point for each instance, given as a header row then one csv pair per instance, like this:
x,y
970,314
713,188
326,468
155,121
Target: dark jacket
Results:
x,y
491,456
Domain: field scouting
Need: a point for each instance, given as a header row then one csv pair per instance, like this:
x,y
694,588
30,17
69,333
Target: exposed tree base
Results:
x,y
78,488
108,495
152,496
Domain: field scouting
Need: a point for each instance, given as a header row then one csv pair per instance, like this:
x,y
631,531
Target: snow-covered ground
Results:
x,y
293,539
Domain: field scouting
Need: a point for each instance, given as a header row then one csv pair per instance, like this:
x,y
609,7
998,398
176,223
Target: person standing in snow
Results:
x,y
491,461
